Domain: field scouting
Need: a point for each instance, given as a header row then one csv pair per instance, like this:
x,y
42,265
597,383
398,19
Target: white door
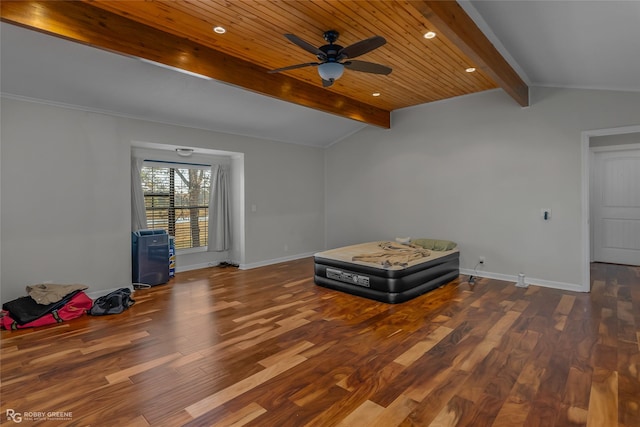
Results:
x,y
615,202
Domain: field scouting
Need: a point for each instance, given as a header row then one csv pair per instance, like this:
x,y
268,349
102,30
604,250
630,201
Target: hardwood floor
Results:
x,y
266,347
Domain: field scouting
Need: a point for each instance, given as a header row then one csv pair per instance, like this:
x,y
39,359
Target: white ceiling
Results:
x,y
577,44
41,67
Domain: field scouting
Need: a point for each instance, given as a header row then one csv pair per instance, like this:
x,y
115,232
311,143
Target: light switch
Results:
x,y
254,208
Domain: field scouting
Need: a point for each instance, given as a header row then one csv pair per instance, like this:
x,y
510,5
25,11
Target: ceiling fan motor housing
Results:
x,y
330,52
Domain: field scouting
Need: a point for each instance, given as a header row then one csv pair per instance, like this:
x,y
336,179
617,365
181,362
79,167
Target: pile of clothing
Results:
x,y
394,254
45,304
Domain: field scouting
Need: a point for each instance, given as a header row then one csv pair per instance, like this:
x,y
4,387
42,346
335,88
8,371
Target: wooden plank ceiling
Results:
x,y
180,34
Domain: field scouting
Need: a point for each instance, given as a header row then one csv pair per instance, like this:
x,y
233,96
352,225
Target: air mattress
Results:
x,y
335,269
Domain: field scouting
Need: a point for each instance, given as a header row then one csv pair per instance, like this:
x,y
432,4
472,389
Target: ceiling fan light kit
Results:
x,y
330,71
335,58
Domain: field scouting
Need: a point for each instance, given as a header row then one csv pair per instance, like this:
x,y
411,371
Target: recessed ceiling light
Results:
x,y
375,94
219,30
429,35
470,70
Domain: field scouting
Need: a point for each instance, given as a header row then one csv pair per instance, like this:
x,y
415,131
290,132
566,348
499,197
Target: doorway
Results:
x,y
615,204
609,159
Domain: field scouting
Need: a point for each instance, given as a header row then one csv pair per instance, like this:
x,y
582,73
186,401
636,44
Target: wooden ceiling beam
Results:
x,y
84,23
453,22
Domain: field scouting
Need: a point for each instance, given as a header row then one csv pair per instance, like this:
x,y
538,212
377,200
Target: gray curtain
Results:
x,y
138,212
219,217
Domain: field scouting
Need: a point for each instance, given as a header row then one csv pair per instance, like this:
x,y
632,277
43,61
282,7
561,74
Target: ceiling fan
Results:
x,y
335,58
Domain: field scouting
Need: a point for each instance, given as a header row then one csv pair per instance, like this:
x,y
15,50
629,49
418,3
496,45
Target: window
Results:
x,y
176,199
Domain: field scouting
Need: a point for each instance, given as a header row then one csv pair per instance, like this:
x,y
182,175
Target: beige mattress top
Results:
x,y
346,254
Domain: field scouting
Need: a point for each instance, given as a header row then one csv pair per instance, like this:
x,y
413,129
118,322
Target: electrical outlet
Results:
x,y
481,260
546,214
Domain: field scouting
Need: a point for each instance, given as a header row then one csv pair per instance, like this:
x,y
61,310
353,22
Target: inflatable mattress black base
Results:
x,y
386,285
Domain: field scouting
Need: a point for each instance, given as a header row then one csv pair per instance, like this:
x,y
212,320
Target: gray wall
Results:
x,y
65,187
475,169
478,170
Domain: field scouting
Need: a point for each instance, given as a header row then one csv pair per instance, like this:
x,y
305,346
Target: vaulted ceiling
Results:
x,y
180,34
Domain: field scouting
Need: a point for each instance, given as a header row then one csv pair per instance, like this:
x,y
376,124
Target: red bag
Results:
x,y
76,307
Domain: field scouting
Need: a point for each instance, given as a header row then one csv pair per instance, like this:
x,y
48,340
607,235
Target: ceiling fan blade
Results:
x,y
305,45
326,83
367,67
293,67
361,47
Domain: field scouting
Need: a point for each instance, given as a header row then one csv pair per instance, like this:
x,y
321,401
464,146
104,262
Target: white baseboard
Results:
x,y
528,280
276,260
180,269
487,274
248,266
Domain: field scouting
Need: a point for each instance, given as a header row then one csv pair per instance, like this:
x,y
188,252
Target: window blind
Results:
x,y
177,200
